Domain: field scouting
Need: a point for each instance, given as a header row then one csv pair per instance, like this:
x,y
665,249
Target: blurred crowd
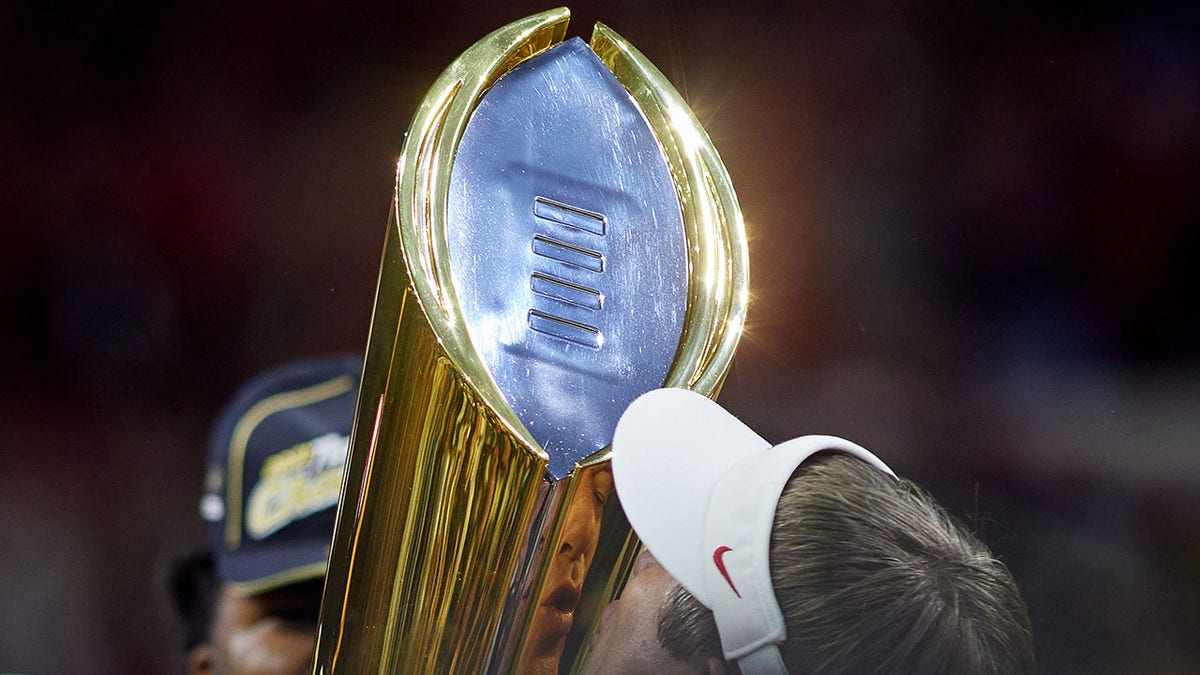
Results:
x,y
973,236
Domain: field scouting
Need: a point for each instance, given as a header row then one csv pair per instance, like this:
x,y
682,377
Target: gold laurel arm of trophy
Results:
x,y
531,286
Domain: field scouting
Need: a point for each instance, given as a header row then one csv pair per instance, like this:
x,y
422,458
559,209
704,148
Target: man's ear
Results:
x,y
716,666
200,659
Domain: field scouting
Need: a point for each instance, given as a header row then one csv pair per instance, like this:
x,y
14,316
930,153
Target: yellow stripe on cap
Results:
x,y
241,438
292,576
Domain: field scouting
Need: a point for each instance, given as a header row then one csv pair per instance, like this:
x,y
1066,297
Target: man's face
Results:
x,y
272,632
626,640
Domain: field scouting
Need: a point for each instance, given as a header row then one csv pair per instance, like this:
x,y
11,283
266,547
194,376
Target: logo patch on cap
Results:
x,y
296,483
719,561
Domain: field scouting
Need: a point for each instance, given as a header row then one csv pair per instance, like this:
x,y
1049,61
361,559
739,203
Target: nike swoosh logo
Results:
x,y
719,560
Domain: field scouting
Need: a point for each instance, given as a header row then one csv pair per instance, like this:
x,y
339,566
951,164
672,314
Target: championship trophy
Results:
x,y
563,238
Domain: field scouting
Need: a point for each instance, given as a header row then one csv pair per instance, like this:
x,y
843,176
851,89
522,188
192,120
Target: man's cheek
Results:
x,y
256,649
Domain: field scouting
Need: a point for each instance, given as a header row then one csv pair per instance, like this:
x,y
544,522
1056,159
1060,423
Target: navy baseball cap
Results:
x,y
275,472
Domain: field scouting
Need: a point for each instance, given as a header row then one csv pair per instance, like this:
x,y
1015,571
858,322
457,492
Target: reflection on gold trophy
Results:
x,y
564,238
568,566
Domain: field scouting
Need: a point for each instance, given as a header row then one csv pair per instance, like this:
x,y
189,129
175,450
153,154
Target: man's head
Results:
x,y
811,550
252,599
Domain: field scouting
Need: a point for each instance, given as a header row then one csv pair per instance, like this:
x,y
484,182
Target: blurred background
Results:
x,y
974,232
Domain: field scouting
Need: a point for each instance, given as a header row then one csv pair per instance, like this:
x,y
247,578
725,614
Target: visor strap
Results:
x,y
763,661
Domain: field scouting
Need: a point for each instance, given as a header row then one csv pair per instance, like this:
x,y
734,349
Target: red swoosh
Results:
x,y
719,559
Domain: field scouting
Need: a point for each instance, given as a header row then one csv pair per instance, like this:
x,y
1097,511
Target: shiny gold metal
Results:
x,y
718,289
450,534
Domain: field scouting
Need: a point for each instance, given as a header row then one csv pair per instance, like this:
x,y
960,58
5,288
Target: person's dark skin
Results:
x,y
272,632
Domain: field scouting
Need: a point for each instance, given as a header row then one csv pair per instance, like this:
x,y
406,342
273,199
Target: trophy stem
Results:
x,y
428,538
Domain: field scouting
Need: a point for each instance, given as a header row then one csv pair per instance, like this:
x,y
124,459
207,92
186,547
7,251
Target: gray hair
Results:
x,y
873,576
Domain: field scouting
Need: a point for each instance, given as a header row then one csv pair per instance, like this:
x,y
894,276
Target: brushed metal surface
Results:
x,y
567,249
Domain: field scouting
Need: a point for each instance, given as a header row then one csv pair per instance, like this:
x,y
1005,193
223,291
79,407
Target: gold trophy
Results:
x,y
564,238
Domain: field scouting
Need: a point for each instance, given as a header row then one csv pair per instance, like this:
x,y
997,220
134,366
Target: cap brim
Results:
x,y
669,448
257,571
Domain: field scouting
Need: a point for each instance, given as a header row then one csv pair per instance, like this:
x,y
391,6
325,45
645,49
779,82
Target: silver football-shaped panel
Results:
x,y
567,249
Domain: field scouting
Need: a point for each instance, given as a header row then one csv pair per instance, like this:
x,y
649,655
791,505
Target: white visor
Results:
x,y
700,490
